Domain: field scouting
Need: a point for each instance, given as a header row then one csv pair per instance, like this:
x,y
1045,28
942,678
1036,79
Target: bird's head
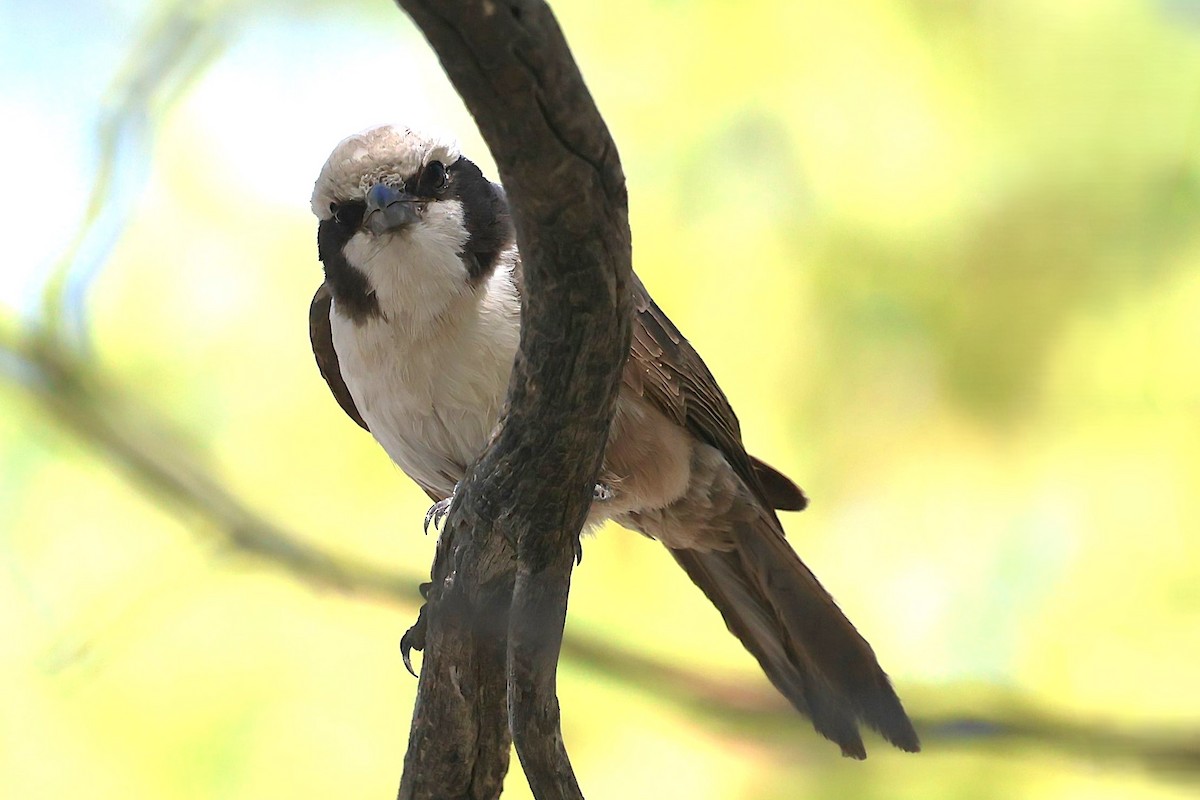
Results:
x,y
405,224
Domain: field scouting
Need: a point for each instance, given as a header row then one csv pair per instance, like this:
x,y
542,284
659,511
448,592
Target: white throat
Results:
x,y
430,374
416,274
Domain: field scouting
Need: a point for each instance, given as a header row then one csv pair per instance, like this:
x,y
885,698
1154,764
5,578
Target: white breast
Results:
x,y
431,394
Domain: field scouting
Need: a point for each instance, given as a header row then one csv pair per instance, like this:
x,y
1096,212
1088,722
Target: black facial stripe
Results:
x,y
431,182
352,292
485,216
348,215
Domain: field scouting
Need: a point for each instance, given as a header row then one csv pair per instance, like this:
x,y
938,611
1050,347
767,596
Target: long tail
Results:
x,y
802,640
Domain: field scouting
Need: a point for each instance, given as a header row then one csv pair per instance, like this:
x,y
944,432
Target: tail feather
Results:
x,y
804,643
722,578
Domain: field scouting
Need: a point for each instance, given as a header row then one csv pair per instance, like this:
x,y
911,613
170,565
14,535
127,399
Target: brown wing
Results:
x,y
667,370
780,491
321,336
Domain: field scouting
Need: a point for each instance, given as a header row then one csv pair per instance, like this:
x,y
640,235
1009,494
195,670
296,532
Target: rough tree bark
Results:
x,y
495,622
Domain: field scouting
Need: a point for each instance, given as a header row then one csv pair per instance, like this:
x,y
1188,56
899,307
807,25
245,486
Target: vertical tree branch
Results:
x,y
459,740
533,487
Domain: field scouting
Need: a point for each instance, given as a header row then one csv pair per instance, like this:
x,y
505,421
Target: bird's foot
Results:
x,y
414,637
438,511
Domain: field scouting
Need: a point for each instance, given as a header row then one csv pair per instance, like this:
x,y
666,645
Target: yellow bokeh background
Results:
x,y
942,255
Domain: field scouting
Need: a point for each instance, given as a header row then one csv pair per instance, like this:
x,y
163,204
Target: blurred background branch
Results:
x,y
165,464
172,51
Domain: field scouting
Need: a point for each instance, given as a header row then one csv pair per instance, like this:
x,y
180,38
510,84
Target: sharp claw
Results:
x,y
436,513
406,647
414,637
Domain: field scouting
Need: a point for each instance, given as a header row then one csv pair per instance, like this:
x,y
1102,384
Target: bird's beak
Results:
x,y
389,209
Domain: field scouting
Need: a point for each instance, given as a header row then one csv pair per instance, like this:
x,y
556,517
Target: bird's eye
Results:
x,y
433,179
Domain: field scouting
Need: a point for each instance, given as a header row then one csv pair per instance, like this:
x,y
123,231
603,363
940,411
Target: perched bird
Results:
x,y
415,330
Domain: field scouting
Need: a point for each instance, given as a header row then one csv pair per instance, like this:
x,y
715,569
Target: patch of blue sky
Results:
x,y
269,107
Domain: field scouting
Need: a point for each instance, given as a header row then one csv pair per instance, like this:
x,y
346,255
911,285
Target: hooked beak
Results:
x,y
389,209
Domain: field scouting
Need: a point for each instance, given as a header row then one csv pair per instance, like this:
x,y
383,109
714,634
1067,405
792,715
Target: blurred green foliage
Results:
x,y
943,256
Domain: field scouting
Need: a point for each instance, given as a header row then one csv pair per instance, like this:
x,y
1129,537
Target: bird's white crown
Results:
x,y
387,154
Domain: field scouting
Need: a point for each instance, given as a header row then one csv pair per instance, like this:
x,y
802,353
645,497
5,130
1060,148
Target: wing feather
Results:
x,y
664,368
321,335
